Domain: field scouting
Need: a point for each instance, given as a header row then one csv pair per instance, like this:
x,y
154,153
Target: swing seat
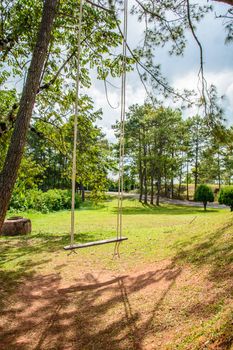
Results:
x,y
91,244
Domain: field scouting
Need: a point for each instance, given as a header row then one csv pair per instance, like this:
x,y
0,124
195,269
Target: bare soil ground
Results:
x,y
82,308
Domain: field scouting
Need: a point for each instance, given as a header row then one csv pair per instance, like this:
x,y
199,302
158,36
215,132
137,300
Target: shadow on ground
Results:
x,y
91,314
102,311
216,251
163,210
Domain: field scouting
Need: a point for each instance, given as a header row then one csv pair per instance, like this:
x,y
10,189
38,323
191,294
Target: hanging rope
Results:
x,y
74,162
122,133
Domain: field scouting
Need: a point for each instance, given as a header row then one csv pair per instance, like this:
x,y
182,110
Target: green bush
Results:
x,y
52,200
226,196
204,194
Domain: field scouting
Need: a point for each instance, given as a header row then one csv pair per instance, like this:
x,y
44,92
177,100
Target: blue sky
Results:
x,y
181,72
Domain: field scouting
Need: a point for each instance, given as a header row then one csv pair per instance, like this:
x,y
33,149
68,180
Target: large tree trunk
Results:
x,y
15,152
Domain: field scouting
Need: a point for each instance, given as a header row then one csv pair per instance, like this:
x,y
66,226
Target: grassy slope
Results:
x,y
188,236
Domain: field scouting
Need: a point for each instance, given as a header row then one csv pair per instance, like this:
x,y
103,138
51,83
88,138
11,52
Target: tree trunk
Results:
x,y
165,181
159,173
172,178
219,171
16,148
205,204
172,187
196,163
152,185
158,188
141,175
140,168
187,180
180,183
82,192
145,185
145,165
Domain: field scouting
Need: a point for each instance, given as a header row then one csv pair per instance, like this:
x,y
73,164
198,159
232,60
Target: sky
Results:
x,y
181,72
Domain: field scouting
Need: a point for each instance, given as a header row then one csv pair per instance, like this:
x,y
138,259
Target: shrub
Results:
x,y
204,194
52,200
226,196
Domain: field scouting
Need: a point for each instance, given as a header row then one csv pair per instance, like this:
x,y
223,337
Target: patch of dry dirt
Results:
x,y
81,308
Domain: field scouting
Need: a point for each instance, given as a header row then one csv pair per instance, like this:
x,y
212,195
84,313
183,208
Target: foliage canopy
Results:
x,y
204,194
226,196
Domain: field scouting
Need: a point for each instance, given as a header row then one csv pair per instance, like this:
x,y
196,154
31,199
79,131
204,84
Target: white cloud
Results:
x,y
110,116
109,133
223,80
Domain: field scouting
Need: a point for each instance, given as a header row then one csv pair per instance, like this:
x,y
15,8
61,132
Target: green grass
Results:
x,y
186,235
154,233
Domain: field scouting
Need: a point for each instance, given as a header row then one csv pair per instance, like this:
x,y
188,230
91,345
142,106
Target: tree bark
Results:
x,y
16,148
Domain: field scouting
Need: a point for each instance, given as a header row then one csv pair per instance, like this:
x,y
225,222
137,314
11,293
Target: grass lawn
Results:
x,y
171,288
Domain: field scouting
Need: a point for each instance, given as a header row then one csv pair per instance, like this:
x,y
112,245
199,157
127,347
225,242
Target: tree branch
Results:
x,y
201,71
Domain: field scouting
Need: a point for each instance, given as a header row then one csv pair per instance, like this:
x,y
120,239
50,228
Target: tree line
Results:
x,y
165,152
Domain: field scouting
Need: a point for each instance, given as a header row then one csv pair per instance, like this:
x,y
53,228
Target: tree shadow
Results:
x,y
97,312
216,251
91,314
21,247
215,256
169,209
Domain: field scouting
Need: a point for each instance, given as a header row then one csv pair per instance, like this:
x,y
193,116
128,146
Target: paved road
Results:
x,y
176,201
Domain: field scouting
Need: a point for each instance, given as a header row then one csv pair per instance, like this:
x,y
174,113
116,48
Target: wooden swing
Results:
x,y
119,238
